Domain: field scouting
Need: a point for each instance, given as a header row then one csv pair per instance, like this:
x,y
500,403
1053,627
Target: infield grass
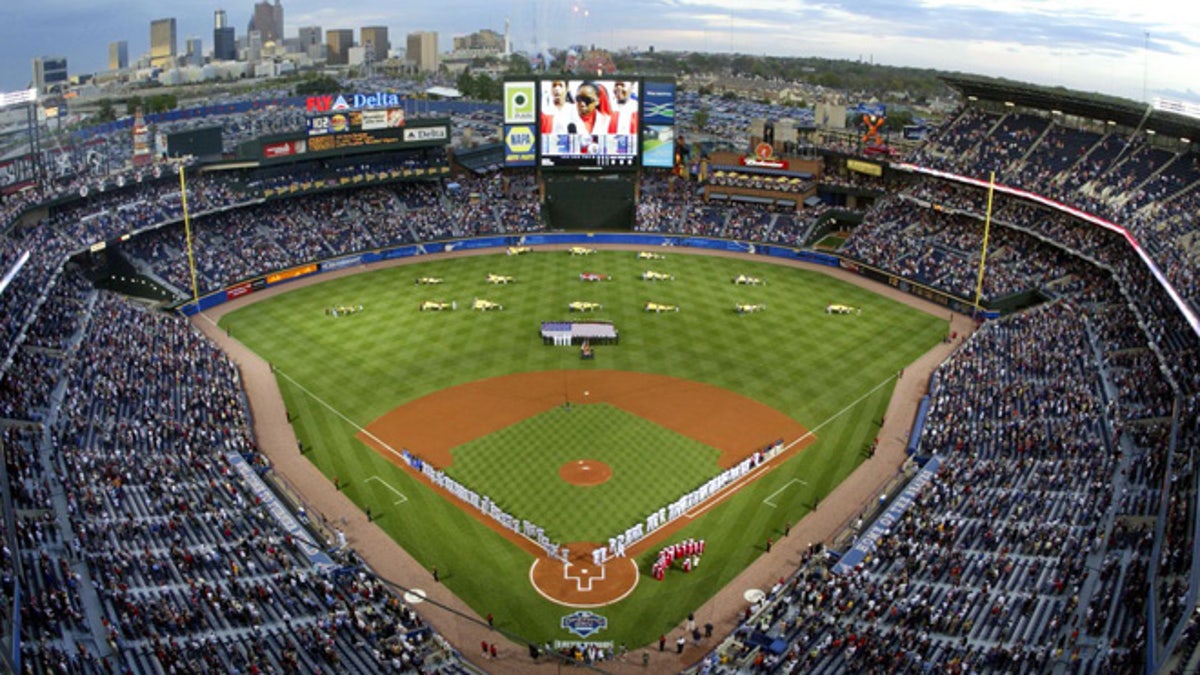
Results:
x,y
833,374
651,466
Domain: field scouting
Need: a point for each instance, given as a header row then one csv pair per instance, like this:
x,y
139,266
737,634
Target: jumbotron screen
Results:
x,y
588,124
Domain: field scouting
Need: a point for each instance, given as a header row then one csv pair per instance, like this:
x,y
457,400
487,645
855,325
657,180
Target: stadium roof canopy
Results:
x,y
482,159
444,92
1120,111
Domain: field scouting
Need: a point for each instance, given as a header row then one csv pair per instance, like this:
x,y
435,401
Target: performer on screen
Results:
x,y
624,110
592,107
558,113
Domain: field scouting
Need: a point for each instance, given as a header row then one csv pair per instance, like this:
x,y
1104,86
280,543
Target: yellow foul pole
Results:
x,y
187,228
987,227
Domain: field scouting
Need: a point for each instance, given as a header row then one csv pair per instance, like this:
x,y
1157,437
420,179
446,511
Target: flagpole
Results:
x,y
187,228
987,226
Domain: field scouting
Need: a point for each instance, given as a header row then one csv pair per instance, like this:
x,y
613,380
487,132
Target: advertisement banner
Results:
x,y
290,274
18,97
238,291
658,104
337,123
17,173
426,134
284,149
780,164
520,146
382,119
340,263
864,167
519,105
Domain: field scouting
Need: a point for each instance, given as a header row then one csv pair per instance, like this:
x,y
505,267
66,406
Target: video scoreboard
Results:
x,y
581,124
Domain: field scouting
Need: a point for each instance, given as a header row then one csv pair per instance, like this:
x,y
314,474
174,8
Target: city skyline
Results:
x,y
1131,51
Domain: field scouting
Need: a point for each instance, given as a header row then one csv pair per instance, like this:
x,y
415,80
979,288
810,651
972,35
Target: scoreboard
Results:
x,y
603,124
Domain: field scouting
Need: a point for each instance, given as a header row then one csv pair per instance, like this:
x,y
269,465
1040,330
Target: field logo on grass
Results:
x,y
583,623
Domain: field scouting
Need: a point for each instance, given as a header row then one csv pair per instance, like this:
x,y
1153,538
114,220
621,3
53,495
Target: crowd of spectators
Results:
x,y
140,546
1028,551
1115,175
1064,431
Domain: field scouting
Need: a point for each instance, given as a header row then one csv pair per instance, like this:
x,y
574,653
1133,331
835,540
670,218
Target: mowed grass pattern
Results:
x,y
833,374
518,467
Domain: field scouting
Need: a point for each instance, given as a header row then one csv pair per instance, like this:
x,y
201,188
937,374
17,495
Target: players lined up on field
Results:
x,y
678,508
687,552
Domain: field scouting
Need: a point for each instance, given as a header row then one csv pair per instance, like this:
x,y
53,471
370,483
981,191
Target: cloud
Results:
x,y
1045,41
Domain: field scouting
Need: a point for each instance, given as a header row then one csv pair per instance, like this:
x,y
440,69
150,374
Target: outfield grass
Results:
x,y
830,373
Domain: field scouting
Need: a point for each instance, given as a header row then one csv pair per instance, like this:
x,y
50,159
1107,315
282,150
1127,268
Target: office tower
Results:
x,y
224,44
118,55
254,46
485,40
49,72
339,41
194,51
268,20
224,38
162,43
376,37
311,41
422,51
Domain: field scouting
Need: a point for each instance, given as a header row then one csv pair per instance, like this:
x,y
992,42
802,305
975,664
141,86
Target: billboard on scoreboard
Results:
x,y
352,121
422,133
520,106
520,145
589,124
658,131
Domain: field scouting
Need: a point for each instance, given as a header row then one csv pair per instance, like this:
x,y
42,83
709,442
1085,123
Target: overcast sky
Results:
x,y
1135,50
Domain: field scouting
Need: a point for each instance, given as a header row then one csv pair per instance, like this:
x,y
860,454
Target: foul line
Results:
x,y
389,486
786,485
337,412
481,516
762,468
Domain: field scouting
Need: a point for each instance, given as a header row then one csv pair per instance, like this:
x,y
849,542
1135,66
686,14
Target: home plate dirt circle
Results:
x,y
579,582
585,472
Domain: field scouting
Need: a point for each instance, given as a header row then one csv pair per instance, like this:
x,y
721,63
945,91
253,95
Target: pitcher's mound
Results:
x,y
585,472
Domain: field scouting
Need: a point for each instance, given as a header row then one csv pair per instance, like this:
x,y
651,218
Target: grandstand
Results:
x,y
1059,534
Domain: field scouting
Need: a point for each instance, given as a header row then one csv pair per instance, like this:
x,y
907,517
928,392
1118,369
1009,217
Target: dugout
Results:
x,y
590,202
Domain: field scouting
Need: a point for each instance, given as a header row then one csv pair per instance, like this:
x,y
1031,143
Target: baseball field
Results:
x,y
584,448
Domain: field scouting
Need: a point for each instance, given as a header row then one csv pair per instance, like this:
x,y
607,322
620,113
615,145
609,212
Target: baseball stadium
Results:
x,y
344,397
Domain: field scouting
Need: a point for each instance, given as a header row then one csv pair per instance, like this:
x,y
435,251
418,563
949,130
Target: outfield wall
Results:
x,y
567,238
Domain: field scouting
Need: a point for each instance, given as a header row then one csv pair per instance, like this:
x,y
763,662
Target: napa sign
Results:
x,y
328,102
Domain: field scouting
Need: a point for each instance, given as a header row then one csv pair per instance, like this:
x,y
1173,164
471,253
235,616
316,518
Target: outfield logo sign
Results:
x,y
425,134
328,102
584,623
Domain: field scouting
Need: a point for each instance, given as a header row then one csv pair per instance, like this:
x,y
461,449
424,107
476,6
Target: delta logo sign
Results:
x,y
584,623
328,102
